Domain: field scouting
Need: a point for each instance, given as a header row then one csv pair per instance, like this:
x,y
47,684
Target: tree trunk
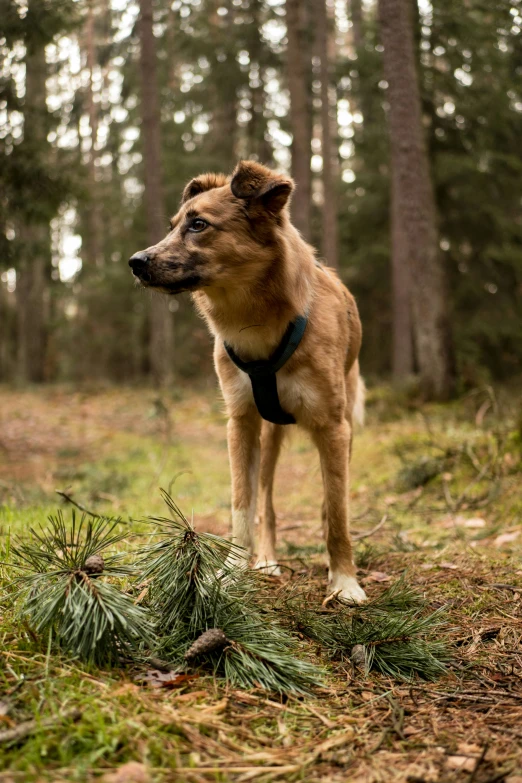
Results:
x,y
32,275
361,81
298,69
93,240
415,202
329,214
357,23
161,334
257,143
402,337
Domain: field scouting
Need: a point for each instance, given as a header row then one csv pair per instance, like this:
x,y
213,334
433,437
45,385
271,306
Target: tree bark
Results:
x,y
415,202
93,240
258,145
357,23
329,213
32,274
402,337
298,70
161,333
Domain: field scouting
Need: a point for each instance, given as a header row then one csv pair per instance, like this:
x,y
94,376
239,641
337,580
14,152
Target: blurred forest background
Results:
x,y
401,123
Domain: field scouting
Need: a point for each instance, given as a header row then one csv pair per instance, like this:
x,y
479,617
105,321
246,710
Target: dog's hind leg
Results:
x,y
333,443
271,440
244,450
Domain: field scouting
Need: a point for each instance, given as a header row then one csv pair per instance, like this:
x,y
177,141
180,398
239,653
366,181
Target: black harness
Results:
x,y
262,373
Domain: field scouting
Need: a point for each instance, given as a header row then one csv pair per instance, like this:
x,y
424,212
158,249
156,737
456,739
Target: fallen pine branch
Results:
x,y
28,727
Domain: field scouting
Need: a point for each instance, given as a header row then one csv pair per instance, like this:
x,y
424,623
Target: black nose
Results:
x,y
139,262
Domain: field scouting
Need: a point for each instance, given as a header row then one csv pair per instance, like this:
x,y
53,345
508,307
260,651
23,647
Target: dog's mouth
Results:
x,y
190,282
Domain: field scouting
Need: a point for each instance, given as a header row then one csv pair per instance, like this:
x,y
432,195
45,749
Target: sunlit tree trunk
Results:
x,y
329,154
298,71
415,202
161,332
32,279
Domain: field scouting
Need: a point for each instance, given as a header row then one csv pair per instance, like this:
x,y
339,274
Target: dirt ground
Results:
x,y
444,481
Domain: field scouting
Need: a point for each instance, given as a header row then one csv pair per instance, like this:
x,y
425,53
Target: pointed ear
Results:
x,y
203,183
261,186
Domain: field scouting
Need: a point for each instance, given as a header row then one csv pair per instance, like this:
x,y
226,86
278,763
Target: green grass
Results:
x,y
112,451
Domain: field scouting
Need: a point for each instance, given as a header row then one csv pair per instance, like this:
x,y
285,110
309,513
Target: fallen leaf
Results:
x,y
468,749
462,763
157,679
473,522
376,576
132,772
409,731
506,538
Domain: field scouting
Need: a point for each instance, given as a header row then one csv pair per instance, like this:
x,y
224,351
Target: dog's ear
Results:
x,y
203,183
260,186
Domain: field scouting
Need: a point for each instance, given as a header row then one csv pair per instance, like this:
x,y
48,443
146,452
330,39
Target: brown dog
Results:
x,y
252,276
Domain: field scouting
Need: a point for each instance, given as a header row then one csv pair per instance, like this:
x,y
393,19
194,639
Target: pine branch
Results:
x,y
193,588
62,591
397,637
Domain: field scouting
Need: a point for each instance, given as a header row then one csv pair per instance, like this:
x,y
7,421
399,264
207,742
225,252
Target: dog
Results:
x,y
287,336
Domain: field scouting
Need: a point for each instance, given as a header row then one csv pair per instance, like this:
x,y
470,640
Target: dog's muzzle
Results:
x,y
140,263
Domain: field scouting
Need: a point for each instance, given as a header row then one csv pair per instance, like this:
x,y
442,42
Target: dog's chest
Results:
x,y
296,392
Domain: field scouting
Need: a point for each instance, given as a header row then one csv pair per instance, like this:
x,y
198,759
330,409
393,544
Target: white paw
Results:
x,y
269,567
350,590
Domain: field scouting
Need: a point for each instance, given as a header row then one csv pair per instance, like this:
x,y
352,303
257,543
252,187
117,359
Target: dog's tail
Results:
x,y
360,398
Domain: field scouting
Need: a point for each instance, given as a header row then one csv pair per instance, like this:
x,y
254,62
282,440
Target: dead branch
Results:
x,y
23,730
359,536
69,499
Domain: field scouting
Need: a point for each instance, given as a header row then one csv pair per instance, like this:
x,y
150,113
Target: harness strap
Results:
x,y
262,373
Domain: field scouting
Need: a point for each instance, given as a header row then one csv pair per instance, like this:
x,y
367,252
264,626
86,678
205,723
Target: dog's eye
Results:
x,y
197,225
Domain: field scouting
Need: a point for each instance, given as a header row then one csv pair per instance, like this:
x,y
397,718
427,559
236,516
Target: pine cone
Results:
x,y
358,656
94,565
210,640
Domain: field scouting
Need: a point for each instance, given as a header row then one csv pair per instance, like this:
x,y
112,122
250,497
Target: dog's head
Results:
x,y
224,234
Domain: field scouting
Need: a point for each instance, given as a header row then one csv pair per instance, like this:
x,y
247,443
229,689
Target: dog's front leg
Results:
x,y
333,443
244,450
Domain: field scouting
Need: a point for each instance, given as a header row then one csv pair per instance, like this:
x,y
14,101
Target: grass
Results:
x,y
456,534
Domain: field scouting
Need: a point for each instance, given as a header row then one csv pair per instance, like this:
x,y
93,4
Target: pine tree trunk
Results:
x,y
402,337
363,99
93,240
33,233
357,23
298,69
258,145
161,333
416,204
329,213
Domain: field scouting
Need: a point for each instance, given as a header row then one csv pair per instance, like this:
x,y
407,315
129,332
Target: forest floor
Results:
x,y
447,480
